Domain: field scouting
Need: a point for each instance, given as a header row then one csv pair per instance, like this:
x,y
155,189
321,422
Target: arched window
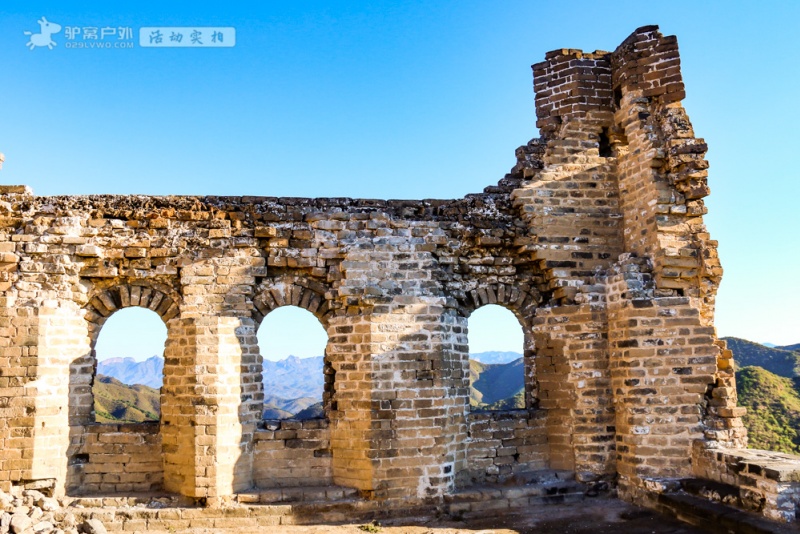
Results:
x,y
130,367
496,360
292,342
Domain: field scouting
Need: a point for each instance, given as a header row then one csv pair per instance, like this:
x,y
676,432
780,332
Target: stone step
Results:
x,y
139,500
784,508
297,494
712,491
551,490
303,505
715,517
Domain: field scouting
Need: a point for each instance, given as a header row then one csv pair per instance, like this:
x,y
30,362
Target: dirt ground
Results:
x,y
600,516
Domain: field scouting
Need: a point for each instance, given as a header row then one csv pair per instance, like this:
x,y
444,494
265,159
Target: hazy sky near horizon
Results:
x,y
397,100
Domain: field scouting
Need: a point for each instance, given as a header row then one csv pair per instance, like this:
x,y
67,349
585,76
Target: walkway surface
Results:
x,y
598,516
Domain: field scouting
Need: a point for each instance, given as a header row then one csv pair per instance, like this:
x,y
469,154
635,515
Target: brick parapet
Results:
x,y
650,63
570,83
504,447
116,459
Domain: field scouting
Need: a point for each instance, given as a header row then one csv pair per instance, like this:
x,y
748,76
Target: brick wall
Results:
x,y
292,453
117,459
504,447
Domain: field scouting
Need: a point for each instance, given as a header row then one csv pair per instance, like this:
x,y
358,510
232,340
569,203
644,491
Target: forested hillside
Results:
x,y
767,384
773,409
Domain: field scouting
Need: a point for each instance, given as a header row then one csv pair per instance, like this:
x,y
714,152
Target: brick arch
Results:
x,y
292,291
522,302
310,296
103,302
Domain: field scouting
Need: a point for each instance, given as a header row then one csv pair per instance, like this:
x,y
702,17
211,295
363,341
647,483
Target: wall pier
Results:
x,y
399,422
207,425
61,342
573,375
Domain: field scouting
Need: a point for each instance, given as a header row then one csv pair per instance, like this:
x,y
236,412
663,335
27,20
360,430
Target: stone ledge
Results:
x,y
767,482
333,505
772,465
15,190
153,501
305,494
715,517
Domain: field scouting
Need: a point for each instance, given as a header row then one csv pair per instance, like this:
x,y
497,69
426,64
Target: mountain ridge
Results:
x,y
776,360
495,356
149,372
768,380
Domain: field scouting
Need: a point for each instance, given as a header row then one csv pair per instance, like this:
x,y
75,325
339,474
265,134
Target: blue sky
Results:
x,y
399,100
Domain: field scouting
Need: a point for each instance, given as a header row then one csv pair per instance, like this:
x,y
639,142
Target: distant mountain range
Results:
x,y
149,372
293,378
768,381
280,408
292,386
493,384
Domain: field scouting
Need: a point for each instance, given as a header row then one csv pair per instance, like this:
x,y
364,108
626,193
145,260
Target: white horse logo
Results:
x,y
43,37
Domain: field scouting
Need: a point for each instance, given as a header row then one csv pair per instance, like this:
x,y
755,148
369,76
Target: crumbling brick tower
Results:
x,y
595,241
613,195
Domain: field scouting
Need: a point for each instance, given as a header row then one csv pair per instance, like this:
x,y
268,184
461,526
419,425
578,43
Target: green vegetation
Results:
x,y
517,402
115,402
773,409
497,386
768,385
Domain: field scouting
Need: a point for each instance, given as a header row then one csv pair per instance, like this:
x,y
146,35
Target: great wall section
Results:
x,y
595,241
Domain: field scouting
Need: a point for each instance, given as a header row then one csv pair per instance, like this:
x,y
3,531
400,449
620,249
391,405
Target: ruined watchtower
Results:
x,y
595,240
